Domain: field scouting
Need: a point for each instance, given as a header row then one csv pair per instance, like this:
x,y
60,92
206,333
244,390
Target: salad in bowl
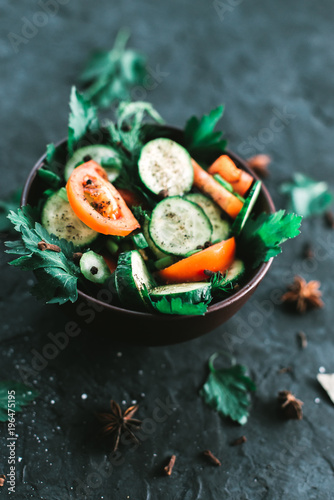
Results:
x,y
167,220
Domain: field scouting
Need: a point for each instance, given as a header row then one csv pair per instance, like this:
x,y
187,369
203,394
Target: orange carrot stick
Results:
x,y
218,257
240,180
209,186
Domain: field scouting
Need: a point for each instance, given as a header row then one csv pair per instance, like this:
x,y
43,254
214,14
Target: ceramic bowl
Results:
x,y
143,328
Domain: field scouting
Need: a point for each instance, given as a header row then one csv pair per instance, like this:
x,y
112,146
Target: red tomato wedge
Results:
x,y
218,257
97,202
240,180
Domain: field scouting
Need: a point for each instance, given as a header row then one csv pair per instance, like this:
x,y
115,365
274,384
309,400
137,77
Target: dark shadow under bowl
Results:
x,y
123,325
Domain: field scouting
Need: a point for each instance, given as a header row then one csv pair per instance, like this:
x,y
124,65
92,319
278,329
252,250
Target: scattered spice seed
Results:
x,y
240,440
214,460
163,193
303,295
169,467
116,422
2,480
308,252
302,339
290,406
207,244
329,218
43,245
286,369
76,257
260,163
208,273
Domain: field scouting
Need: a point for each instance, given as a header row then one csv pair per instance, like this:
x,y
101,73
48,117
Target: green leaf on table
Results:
x,y
178,306
226,391
23,396
111,75
12,202
83,119
262,236
200,138
307,196
56,273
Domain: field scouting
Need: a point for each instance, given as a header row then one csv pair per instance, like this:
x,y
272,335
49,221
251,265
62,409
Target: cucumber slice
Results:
x,y
192,293
94,268
133,281
178,226
164,165
235,271
154,249
105,156
220,226
246,210
58,218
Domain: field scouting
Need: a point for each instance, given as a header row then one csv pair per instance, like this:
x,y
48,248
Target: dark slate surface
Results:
x,y
263,59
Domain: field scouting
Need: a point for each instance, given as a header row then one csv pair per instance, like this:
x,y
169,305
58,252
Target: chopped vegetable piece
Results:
x,y
105,156
220,226
165,166
94,268
97,203
215,258
208,185
240,180
246,210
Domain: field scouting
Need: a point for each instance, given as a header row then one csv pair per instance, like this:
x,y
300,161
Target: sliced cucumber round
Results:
x,y
154,249
192,293
247,208
235,271
133,281
220,226
178,226
105,156
94,267
59,219
165,166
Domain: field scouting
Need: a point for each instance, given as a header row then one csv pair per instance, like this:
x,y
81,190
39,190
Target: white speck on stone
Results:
x,y
134,401
317,401
52,401
123,402
322,369
19,459
143,394
46,449
140,372
84,396
30,282
119,354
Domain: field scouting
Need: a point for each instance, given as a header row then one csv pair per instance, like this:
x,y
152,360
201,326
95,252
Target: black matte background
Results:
x,y
260,58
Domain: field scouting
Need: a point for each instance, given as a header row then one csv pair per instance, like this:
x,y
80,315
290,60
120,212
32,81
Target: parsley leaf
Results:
x,y
57,275
23,396
226,390
110,75
202,142
307,196
83,118
178,306
10,203
261,237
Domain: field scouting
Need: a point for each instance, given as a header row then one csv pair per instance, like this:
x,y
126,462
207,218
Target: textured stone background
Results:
x,y
262,59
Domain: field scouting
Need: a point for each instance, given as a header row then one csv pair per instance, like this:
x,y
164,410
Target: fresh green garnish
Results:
x,y
200,138
56,273
220,286
13,396
10,203
110,75
262,236
226,390
178,306
306,196
83,119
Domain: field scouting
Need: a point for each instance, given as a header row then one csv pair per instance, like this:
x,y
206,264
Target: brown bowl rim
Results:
x,y
250,285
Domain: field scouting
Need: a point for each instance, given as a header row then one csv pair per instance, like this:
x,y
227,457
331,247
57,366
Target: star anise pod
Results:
x,y
118,423
290,405
304,295
260,163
